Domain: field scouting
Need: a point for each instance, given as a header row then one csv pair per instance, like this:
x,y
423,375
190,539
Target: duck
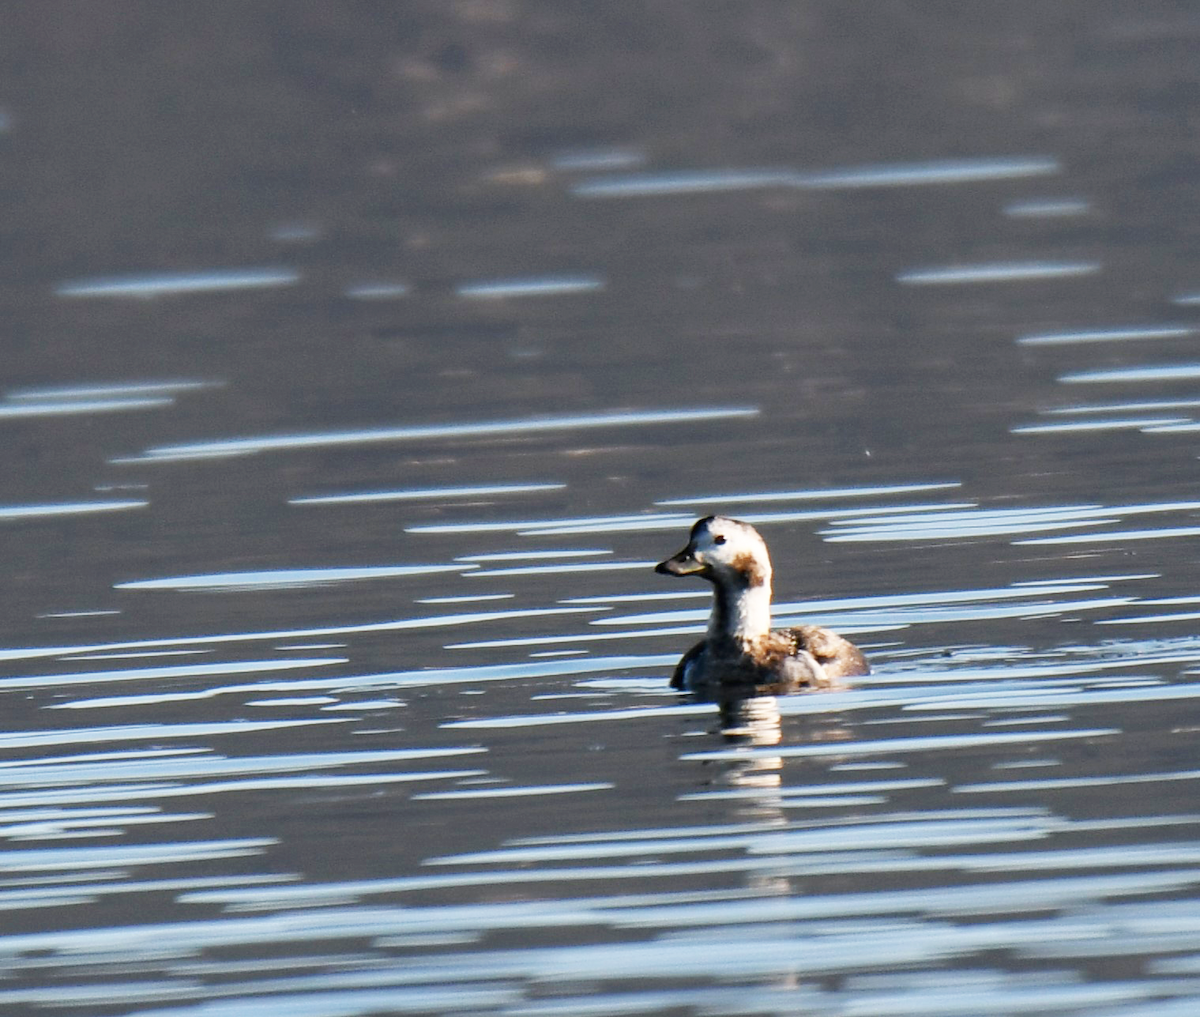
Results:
x,y
740,650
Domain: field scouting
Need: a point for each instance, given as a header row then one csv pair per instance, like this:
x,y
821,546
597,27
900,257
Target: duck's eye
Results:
x,y
719,539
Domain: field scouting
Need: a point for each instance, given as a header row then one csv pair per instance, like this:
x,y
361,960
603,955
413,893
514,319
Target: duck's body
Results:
x,y
740,649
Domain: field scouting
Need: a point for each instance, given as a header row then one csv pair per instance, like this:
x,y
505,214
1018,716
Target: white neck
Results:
x,y
743,613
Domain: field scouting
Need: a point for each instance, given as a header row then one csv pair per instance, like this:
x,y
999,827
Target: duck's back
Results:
x,y
839,657
804,657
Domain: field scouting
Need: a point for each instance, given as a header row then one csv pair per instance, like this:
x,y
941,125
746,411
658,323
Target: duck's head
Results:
x,y
724,551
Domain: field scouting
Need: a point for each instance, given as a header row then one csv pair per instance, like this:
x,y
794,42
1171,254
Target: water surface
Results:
x,y
358,368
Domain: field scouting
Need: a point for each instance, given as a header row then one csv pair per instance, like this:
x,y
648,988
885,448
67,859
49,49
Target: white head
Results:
x,y
733,557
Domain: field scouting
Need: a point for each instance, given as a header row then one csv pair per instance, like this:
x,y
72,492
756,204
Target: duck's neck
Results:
x,y
741,613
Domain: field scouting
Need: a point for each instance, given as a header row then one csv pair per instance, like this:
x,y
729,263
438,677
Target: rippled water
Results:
x,y
359,365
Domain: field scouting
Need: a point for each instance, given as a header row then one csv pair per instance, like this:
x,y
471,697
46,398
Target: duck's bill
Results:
x,y
682,564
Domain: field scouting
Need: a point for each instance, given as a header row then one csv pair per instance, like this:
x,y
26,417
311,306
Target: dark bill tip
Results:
x,y
682,564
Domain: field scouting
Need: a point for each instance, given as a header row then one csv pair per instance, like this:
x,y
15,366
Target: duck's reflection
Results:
x,y
750,720
754,721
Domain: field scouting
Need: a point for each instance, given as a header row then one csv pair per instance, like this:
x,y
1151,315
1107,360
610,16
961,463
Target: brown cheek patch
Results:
x,y
747,566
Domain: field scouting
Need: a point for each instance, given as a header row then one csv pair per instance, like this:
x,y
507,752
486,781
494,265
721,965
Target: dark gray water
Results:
x,y
358,362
